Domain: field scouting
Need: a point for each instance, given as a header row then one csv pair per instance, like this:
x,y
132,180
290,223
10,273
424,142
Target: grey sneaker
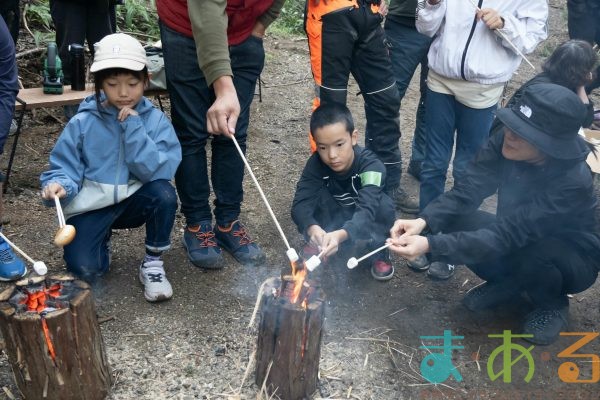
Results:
x,y
404,202
419,264
546,325
153,277
440,270
13,127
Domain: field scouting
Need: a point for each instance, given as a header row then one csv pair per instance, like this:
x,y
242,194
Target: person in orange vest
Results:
x,y
346,37
214,55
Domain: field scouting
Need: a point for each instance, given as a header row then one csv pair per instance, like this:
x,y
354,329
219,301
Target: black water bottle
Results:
x,y
77,67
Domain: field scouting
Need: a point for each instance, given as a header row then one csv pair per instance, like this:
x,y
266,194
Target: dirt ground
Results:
x,y
196,346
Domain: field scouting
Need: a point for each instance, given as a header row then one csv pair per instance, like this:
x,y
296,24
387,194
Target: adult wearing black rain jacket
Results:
x,y
542,241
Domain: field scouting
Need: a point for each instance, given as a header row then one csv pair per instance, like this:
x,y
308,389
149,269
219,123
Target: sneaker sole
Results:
x,y
417,269
383,278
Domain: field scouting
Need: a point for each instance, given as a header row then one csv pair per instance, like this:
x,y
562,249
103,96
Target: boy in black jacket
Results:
x,y
340,195
543,241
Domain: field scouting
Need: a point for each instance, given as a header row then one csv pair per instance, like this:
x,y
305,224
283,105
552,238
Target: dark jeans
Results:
x,y
547,270
154,204
472,128
74,23
190,100
353,41
9,9
408,48
584,24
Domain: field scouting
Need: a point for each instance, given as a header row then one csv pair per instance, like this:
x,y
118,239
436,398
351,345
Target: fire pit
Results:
x,y
289,335
53,340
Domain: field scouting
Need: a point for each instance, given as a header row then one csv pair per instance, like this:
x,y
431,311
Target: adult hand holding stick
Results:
x,y
406,240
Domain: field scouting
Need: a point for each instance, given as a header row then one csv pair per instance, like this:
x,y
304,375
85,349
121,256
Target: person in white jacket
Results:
x,y
469,63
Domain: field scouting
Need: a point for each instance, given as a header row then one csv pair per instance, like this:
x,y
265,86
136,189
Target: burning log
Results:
x,y
53,339
289,336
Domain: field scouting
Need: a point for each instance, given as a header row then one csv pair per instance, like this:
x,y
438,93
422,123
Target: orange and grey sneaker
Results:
x,y
382,270
201,246
236,241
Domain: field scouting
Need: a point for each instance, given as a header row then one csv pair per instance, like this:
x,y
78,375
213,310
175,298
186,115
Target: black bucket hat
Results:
x,y
549,117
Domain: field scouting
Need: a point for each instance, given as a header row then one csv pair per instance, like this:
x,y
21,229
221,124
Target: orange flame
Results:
x,y
299,276
36,302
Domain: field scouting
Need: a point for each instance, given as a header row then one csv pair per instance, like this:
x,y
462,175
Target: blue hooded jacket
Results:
x,y
100,161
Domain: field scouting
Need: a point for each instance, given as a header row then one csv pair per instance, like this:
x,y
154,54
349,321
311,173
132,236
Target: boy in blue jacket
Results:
x,y
112,166
340,196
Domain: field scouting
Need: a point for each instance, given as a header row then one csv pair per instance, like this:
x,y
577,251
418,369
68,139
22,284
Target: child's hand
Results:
x,y
126,112
52,190
492,19
332,241
315,235
409,247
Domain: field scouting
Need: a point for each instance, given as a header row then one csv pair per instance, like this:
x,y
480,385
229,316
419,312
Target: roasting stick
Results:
x,y
353,262
291,253
507,40
39,266
59,212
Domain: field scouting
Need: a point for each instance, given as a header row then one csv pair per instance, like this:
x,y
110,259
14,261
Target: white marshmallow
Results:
x,y
352,263
292,255
40,268
312,263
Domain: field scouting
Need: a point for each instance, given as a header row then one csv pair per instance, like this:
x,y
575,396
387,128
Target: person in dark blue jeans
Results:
x,y
408,48
190,99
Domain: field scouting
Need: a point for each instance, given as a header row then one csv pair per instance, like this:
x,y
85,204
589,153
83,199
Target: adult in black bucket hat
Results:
x,y
542,242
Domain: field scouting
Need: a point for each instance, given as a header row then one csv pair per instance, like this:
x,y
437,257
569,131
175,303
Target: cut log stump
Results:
x,y
53,339
289,341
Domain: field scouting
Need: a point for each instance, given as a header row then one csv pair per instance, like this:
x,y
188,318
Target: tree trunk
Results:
x,y
56,353
289,344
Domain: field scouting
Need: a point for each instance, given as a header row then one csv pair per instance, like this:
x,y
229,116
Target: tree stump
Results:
x,y
53,339
289,339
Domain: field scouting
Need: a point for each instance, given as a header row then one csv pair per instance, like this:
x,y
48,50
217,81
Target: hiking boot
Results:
x,y
419,264
440,270
404,202
236,241
545,325
382,270
489,295
11,266
414,168
153,277
201,246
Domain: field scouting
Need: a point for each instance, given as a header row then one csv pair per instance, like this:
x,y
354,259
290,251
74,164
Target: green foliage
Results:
x,y
39,21
291,20
138,16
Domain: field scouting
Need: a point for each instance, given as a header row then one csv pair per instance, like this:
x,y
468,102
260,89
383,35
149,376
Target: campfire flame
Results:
x,y
35,300
299,275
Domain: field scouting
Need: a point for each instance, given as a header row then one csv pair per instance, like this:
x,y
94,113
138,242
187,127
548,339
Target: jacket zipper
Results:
x,y
464,55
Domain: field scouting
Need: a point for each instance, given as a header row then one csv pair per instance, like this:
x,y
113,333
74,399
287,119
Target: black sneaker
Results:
x,y
414,168
440,270
419,264
201,246
545,325
236,241
404,202
489,295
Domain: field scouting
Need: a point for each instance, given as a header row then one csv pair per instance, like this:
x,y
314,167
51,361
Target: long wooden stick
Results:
x,y
377,250
14,246
59,212
507,40
262,195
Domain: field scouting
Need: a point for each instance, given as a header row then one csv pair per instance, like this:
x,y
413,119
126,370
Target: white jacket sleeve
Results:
x,y
430,18
526,27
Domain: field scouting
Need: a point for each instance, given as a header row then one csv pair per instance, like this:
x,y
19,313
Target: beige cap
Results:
x,y
118,51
